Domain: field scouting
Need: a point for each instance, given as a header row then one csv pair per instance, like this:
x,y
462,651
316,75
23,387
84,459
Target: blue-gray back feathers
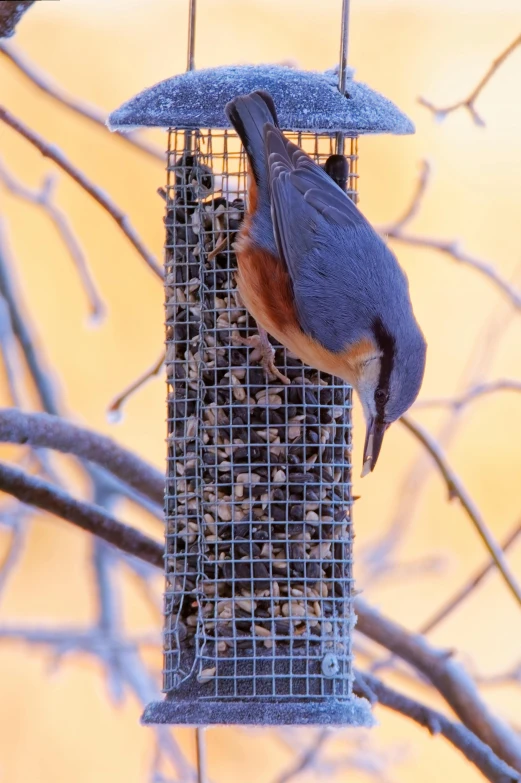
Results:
x,y
343,275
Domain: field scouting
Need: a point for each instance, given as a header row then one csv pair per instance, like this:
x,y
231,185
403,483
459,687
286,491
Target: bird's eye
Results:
x,y
381,396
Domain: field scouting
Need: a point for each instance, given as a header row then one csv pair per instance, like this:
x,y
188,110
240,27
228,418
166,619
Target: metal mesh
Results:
x,y
258,603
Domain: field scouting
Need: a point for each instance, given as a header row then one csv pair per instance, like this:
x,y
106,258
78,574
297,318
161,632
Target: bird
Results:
x,y
318,278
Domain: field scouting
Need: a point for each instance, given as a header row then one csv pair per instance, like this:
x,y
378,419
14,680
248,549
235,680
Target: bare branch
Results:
x,y
41,373
52,152
10,14
123,662
114,410
479,390
86,110
64,641
450,248
9,350
16,547
457,490
52,432
452,604
308,758
36,492
416,200
44,198
476,751
23,330
460,596
447,676
468,103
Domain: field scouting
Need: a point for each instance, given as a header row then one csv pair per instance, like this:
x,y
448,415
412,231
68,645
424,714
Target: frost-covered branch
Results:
x,y
457,490
43,198
476,751
117,404
35,492
52,152
85,110
448,677
52,432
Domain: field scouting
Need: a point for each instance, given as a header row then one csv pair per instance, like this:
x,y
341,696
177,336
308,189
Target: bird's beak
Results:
x,y
373,443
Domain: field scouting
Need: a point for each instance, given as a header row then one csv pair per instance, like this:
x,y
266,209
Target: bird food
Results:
x,y
259,578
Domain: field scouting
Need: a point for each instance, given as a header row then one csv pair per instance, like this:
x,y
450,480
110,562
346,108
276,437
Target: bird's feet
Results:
x,y
261,342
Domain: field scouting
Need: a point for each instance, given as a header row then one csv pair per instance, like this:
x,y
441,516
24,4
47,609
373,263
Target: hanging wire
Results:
x,y
342,65
192,12
200,742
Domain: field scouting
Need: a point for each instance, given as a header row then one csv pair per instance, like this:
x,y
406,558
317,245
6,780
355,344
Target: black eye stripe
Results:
x,y
386,343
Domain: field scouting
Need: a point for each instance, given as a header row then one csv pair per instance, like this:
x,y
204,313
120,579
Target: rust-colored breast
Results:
x,y
265,288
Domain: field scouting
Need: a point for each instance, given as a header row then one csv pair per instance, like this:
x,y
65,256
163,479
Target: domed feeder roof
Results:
x,y
305,100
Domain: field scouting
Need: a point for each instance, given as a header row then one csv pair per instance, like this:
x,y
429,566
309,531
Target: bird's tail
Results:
x,y
249,114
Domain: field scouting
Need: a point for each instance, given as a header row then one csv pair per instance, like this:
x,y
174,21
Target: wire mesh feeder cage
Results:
x,y
259,583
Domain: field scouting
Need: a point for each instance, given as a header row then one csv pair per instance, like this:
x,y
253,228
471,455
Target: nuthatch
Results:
x,y
314,274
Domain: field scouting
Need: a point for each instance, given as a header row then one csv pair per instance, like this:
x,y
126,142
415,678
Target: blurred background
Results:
x,y
58,718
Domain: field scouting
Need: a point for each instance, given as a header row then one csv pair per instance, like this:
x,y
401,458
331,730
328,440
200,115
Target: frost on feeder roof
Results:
x,y
305,100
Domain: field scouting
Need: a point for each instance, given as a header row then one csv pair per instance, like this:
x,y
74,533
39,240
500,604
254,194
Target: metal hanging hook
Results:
x,y
192,12
344,45
342,65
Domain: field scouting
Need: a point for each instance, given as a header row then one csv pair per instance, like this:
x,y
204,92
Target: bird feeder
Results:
x,y
258,563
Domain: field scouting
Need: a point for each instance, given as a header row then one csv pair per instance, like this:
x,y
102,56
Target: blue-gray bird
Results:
x,y
316,276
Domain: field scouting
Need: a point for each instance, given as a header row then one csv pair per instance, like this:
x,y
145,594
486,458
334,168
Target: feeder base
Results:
x,y
330,712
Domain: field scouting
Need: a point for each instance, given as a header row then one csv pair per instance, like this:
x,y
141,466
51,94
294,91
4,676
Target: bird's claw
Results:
x,y
267,355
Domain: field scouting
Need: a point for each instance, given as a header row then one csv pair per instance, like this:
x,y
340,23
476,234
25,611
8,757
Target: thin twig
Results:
x,y
416,199
451,247
16,548
36,492
43,198
452,603
476,751
200,743
86,110
512,676
475,392
448,677
307,759
52,152
52,432
468,103
114,409
457,490
64,641
108,609
23,329
123,662
9,350
473,582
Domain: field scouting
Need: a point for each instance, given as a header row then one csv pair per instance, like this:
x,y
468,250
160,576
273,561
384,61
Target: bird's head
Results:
x,y
387,380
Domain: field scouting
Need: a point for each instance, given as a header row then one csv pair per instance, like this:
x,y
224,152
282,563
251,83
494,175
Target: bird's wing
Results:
x,y
308,209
